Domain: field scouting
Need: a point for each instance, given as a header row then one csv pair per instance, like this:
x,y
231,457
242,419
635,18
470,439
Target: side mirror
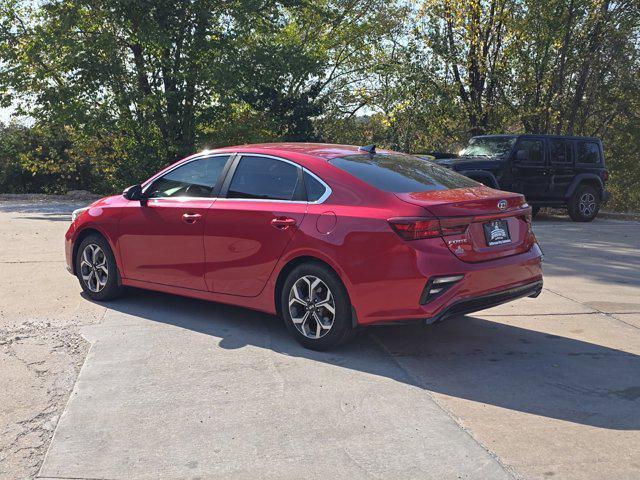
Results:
x,y
522,155
133,192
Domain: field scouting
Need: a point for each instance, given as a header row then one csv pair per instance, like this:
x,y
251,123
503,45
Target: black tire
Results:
x,y
104,257
584,204
535,211
340,330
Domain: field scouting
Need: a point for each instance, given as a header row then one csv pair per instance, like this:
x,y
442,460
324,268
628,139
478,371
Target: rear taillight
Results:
x,y
605,175
528,218
454,226
416,228
420,228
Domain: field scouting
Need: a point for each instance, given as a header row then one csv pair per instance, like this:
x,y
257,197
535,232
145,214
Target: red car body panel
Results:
x,y
227,250
242,246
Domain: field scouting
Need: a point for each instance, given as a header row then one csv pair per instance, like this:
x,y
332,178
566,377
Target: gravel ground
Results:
x,y
41,310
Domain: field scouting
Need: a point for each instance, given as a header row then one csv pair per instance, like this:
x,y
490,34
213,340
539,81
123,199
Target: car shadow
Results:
x,y
469,357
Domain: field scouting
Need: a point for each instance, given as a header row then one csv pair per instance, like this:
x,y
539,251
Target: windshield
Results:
x,y
401,173
488,147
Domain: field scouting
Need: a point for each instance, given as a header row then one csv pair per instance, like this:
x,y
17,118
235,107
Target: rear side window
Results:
x,y
588,152
196,178
401,173
561,151
264,178
315,189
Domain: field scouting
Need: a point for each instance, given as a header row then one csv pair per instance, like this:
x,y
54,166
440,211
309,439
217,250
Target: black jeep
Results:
x,y
550,170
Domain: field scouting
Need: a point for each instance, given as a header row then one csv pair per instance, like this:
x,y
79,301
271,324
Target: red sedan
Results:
x,y
330,237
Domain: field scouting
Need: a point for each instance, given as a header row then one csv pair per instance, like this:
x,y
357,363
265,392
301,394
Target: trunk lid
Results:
x,y
498,224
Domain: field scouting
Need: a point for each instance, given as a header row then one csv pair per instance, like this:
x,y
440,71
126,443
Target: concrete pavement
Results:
x,y
539,388
174,388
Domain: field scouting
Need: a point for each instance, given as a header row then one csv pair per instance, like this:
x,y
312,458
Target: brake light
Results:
x,y
454,226
530,236
420,228
605,175
415,228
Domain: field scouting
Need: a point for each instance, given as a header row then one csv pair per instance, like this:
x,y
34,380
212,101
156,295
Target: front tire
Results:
x,y
315,307
584,204
96,269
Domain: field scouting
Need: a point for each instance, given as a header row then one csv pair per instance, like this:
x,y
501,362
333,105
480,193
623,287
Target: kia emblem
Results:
x,y
502,205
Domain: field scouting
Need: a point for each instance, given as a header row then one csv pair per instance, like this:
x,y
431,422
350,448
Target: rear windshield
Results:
x,y
401,173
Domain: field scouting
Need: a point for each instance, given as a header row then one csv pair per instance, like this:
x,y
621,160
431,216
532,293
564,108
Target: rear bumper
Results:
x,y
483,285
606,196
482,302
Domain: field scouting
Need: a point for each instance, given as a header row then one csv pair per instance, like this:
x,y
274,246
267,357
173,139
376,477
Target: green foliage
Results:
x,y
118,89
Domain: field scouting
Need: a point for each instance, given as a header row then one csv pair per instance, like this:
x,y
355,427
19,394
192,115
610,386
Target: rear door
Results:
x,y
247,231
530,168
561,166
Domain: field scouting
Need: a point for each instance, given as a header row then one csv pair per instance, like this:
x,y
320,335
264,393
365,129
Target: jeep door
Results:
x,y
530,168
561,166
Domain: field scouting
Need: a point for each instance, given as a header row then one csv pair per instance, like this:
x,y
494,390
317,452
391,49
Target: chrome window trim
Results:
x,y
327,193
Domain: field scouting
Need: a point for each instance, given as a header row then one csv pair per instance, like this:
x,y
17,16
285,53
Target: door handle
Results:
x,y
191,217
282,223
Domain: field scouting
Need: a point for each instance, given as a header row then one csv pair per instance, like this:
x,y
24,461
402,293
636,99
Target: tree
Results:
x,y
169,74
469,38
566,55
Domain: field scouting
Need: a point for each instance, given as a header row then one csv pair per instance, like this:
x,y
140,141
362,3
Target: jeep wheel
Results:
x,y
584,204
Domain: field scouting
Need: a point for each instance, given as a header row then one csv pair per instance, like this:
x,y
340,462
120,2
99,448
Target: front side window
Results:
x,y
533,149
264,179
488,147
560,151
401,173
196,178
588,152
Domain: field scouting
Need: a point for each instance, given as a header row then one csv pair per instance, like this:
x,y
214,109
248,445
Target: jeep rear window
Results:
x,y
401,173
588,152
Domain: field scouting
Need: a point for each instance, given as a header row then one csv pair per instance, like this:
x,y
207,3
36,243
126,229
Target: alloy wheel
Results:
x,y
312,307
587,204
93,267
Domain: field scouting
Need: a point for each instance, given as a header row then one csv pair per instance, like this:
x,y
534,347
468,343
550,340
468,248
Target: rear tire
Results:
x,y
584,204
315,307
96,269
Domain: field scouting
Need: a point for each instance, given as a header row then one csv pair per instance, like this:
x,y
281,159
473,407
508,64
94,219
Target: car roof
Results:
x,y
324,151
545,135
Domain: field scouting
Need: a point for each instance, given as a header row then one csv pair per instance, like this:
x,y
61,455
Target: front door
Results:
x,y
161,238
247,232
530,169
